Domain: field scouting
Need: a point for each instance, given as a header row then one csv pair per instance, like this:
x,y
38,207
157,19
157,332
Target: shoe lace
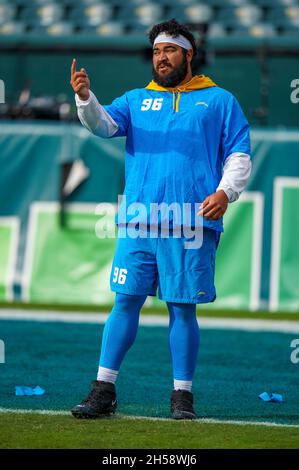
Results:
x,y
94,396
182,403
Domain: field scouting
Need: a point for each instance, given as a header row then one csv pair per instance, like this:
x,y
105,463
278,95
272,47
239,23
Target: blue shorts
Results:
x,y
143,264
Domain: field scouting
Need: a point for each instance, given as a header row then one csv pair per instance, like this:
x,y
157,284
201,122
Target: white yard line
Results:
x,y
149,418
246,324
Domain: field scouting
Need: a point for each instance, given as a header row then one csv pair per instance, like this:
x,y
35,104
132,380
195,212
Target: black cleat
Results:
x,y
182,405
100,402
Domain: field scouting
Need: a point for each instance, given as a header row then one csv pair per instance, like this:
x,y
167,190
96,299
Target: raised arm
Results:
x,y
91,113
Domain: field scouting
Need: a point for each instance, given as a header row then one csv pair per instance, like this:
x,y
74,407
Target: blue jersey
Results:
x,y
177,140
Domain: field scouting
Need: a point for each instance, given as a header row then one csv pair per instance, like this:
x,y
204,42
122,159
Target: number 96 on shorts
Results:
x,y
119,275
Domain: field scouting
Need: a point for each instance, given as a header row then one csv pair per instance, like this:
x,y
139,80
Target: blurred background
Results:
x,y
54,173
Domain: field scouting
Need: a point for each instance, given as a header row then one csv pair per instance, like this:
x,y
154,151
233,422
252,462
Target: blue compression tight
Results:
x,y
121,329
183,339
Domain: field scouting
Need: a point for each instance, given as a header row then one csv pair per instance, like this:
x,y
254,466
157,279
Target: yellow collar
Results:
x,y
196,83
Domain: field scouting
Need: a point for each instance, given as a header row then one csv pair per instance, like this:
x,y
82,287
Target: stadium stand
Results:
x,y
255,18
261,35
141,17
194,13
91,15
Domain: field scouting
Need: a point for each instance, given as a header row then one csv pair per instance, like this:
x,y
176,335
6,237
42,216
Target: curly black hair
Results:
x,y
173,28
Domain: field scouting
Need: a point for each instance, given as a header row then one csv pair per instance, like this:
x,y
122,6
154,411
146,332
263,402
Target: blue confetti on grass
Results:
x,y
273,397
23,390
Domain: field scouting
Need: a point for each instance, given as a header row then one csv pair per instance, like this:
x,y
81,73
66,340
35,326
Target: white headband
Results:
x,y
178,40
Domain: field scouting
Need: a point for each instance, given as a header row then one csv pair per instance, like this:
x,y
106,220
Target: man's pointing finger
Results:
x,y
73,67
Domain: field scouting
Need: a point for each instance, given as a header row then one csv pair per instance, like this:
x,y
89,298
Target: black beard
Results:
x,y
173,78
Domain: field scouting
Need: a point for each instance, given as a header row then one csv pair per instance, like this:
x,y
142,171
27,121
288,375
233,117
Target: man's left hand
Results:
x,y
214,205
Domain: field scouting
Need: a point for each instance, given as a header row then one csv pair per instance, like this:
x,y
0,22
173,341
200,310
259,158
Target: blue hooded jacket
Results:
x,y
177,140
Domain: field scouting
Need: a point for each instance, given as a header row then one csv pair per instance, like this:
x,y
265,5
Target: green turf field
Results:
x,y
36,431
234,367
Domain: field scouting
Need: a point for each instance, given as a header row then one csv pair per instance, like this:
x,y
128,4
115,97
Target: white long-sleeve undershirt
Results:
x,y
236,172
236,168
94,117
